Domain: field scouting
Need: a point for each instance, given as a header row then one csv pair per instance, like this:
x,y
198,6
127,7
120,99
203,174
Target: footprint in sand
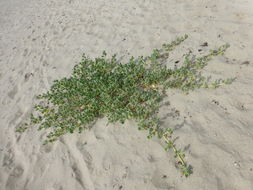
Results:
x,y
8,160
13,92
77,174
12,182
86,156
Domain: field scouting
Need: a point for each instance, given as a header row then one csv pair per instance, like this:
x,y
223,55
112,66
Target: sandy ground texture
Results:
x,y
41,41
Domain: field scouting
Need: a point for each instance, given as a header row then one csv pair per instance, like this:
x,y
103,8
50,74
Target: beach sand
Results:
x,y
41,41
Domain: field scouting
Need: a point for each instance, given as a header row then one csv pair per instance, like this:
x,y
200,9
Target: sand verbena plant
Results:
x,y
104,87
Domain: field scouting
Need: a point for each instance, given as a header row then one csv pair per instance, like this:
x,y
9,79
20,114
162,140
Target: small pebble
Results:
x,y
205,44
236,164
245,63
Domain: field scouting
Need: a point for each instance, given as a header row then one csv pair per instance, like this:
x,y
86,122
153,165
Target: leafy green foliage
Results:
x,y
107,88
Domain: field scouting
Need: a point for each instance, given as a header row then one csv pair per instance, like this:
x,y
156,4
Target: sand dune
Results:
x,y
41,41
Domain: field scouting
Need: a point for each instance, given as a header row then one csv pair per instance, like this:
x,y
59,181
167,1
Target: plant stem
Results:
x,y
167,138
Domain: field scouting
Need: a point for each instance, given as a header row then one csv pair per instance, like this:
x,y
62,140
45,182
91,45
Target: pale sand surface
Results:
x,y
42,40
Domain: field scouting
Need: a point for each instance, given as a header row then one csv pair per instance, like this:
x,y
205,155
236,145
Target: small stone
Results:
x,y
27,76
245,63
205,44
237,165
